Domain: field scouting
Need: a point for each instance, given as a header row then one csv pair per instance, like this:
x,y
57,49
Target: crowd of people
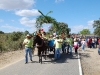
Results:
x,y
61,44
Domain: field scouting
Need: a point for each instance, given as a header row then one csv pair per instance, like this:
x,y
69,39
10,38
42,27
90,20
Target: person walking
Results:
x,y
51,43
83,42
90,43
93,42
69,40
96,42
64,45
28,47
57,43
76,45
99,46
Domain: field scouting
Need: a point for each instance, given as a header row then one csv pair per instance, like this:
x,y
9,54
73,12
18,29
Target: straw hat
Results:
x,y
27,35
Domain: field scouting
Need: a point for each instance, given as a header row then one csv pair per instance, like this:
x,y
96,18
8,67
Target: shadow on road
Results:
x,y
86,53
63,59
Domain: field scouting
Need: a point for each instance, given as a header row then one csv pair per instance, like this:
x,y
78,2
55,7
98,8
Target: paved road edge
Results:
x,y
80,66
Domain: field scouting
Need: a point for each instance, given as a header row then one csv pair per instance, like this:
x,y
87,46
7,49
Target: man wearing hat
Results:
x,y
28,47
57,43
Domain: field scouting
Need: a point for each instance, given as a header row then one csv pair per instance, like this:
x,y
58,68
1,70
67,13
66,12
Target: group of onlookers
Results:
x,y
68,43
58,43
92,42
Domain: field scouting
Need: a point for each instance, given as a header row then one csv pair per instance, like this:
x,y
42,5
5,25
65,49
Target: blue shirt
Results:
x,y
51,43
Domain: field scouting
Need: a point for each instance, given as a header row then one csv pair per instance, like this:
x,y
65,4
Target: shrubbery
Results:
x,y
12,41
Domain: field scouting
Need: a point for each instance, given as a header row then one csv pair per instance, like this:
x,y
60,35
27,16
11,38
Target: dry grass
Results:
x,y
10,57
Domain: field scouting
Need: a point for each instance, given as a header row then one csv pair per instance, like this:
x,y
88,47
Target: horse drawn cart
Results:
x,y
42,46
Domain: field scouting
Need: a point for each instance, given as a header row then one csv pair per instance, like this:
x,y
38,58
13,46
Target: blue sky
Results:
x,y
20,15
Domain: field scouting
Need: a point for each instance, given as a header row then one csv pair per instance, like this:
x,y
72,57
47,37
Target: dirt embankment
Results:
x,y
10,57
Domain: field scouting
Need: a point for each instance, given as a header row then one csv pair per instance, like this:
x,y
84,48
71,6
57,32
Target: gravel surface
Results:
x,y
90,60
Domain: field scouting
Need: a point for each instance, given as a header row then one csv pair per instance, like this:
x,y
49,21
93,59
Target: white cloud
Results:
x,y
78,28
30,26
8,28
11,28
33,12
16,4
90,23
27,22
58,1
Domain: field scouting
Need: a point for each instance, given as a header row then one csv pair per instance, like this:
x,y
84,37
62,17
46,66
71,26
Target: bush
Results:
x,y
11,41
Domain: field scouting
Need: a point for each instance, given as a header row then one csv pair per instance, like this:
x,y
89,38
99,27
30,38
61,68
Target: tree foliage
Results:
x,y
58,27
62,28
44,19
26,32
1,32
96,26
85,32
11,41
15,36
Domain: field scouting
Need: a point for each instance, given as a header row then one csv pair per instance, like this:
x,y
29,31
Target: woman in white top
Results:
x,y
83,42
75,45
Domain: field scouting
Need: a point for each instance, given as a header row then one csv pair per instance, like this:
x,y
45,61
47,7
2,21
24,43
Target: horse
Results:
x,y
37,40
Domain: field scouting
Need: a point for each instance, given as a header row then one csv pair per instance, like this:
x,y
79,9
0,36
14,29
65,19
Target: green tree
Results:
x,y
96,26
85,32
62,28
11,41
1,32
16,36
26,32
44,19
